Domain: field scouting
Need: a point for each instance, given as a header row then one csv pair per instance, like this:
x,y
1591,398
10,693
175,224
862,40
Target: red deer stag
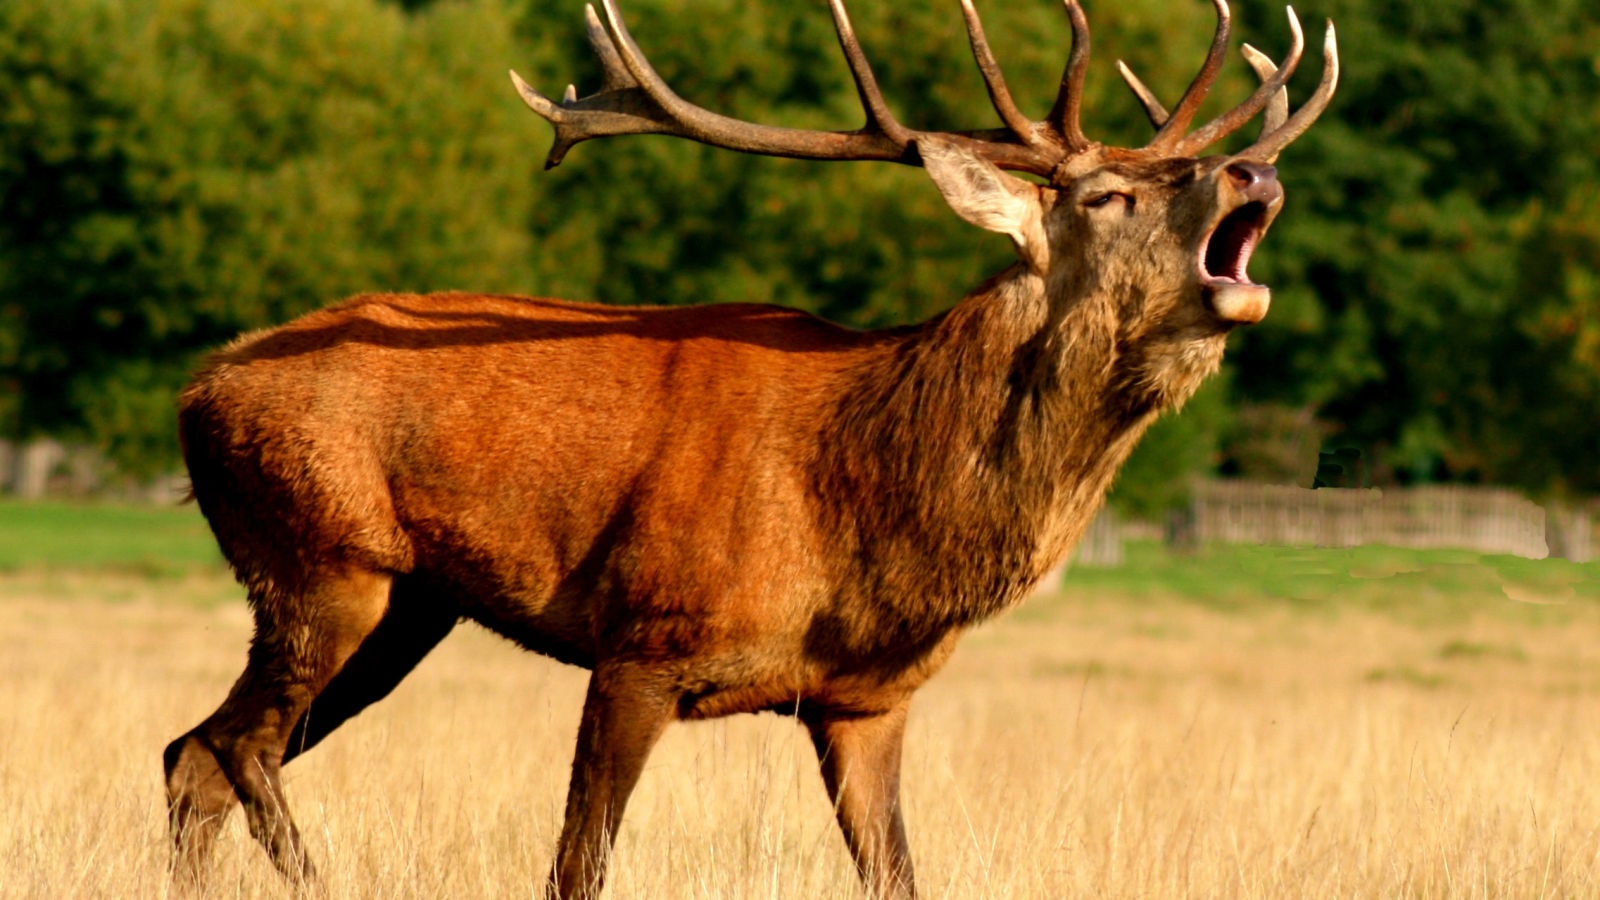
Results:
x,y
718,509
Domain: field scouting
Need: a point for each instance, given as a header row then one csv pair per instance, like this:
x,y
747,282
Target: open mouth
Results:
x,y
1225,255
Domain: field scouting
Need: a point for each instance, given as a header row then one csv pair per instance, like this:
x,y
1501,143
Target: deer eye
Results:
x,y
1103,199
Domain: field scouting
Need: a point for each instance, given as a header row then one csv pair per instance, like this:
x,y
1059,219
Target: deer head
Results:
x,y
1159,237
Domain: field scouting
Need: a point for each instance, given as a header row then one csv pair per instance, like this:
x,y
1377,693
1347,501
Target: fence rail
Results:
x,y
1488,520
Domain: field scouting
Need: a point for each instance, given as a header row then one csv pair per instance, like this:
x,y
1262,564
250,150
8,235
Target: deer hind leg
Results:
x,y
301,642
200,797
415,623
860,759
624,714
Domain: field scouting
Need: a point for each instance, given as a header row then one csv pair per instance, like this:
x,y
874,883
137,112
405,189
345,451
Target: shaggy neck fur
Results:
x,y
970,456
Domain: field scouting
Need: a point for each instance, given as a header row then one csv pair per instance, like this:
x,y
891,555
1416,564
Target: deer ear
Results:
x,y
987,197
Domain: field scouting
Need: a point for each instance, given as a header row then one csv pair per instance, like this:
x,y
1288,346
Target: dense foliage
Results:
x,y
1438,273
175,171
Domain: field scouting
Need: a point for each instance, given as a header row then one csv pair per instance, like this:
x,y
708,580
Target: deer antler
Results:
x,y
1172,131
1274,139
1271,95
634,99
1278,109
1069,100
1020,125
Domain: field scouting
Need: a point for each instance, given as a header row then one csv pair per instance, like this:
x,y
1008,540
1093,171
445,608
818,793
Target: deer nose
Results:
x,y
1256,181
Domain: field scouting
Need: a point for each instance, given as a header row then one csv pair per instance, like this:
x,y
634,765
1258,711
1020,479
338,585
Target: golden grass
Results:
x,y
1092,747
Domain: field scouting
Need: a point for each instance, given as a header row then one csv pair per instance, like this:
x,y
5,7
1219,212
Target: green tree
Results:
x,y
173,173
1433,270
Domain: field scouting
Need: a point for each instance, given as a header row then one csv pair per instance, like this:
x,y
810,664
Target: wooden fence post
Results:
x,y
1569,532
34,466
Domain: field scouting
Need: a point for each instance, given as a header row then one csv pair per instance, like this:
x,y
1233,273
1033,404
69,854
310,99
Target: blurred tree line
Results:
x,y
173,172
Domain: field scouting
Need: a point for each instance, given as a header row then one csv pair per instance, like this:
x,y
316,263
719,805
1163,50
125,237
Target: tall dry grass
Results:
x,y
1094,748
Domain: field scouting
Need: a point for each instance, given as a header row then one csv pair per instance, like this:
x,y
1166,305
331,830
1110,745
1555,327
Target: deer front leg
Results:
x,y
626,710
860,759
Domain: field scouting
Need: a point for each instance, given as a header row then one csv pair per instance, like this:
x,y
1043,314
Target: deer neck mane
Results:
x,y
968,456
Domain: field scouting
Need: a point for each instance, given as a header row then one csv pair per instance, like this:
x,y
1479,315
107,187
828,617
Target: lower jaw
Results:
x,y
1240,304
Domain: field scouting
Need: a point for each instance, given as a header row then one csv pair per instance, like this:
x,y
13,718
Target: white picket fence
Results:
x,y
1488,520
45,467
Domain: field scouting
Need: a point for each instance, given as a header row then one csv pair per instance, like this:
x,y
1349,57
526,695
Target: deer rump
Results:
x,y
718,509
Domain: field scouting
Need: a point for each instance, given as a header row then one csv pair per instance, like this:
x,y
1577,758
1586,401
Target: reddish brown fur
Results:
x,y
717,509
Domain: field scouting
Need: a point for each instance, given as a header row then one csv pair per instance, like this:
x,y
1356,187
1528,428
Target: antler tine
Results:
x,y
614,76
1020,125
1234,119
1064,114
577,121
1271,144
1171,132
878,116
1152,107
696,123
1278,107
573,122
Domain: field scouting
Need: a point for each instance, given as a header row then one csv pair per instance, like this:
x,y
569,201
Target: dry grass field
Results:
x,y
1420,735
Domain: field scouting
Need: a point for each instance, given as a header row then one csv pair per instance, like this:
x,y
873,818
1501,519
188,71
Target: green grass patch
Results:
x,y
1406,675
1092,668
144,540
1413,582
1473,650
